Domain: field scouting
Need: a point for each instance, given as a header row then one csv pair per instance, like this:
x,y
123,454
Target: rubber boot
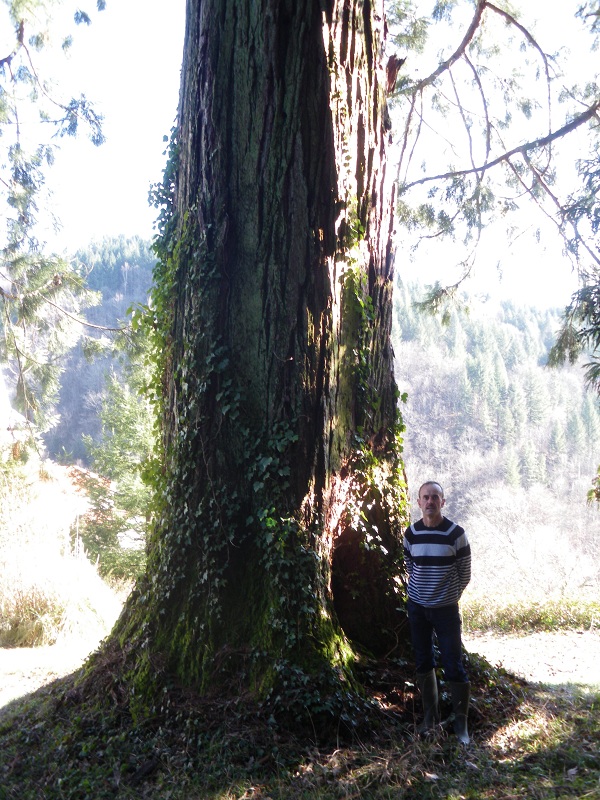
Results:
x,y
461,693
427,683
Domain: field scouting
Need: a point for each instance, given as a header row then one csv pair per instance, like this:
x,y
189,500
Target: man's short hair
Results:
x,y
431,483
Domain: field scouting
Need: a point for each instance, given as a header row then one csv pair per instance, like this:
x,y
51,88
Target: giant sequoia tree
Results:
x,y
276,547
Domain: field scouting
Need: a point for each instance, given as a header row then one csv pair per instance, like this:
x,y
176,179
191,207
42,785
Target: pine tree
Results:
x,y
42,295
590,418
558,446
532,465
537,398
512,471
576,436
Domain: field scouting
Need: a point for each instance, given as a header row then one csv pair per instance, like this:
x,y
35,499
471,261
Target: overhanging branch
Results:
x,y
522,149
6,61
445,65
468,38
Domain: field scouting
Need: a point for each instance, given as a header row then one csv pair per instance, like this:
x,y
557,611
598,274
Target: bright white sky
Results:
x,y
128,62
529,270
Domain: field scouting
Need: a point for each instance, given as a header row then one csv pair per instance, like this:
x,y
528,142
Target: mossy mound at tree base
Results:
x,y
77,738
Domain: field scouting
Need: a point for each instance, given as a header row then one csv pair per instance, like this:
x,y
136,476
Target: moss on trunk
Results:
x,y
280,425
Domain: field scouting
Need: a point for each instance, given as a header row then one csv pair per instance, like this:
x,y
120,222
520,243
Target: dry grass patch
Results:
x,y
529,613
49,591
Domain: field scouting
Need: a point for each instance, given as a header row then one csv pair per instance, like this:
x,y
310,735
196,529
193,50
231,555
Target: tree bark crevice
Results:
x,y
284,496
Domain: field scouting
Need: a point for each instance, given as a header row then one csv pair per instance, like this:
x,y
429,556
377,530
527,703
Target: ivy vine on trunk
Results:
x,y
276,554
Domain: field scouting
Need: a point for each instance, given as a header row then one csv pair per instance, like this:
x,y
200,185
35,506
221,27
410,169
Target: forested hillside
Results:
x,y
121,270
515,443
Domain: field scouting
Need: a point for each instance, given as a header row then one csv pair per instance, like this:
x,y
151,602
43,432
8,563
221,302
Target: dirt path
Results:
x,y
565,657
25,669
554,658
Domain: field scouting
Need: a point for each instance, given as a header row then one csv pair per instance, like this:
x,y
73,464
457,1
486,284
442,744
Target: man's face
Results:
x,y
431,502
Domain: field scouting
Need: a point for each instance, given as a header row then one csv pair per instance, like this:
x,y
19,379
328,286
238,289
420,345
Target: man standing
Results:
x,y
438,559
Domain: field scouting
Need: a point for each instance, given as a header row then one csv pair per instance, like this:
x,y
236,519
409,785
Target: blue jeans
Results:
x,y
445,621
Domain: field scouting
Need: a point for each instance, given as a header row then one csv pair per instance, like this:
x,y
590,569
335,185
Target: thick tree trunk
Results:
x,y
283,496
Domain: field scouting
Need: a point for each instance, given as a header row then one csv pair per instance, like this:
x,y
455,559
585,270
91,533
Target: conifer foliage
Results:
x,y
480,132
514,443
484,132
480,390
41,294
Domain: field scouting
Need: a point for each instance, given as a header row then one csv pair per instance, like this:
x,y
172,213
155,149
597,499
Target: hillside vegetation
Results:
x,y
515,444
121,270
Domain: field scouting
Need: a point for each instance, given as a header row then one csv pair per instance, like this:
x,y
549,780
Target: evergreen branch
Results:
x,y
460,50
488,126
75,109
522,149
93,120
563,214
437,296
6,61
17,298
441,231
84,322
513,21
409,117
422,123
530,193
18,354
561,209
468,38
461,111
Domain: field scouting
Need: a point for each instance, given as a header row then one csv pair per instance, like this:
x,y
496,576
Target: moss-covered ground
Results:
x,y
76,739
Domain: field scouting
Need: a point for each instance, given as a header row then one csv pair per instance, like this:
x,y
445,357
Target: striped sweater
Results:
x,y
438,561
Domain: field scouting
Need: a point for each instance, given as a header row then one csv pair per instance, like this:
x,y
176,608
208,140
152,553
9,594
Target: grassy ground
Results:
x,y
544,614
528,742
